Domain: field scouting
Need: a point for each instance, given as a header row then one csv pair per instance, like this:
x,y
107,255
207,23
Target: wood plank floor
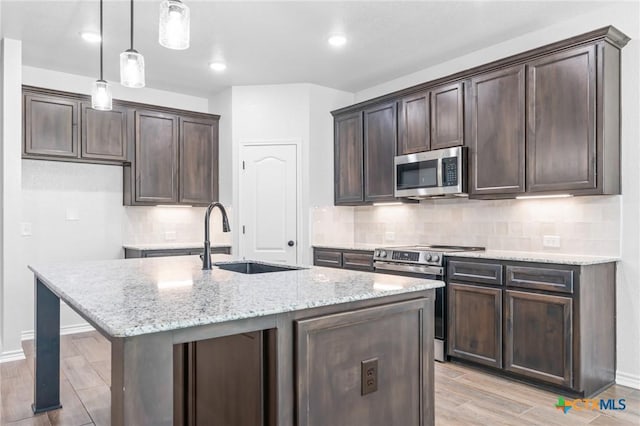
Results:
x,y
464,396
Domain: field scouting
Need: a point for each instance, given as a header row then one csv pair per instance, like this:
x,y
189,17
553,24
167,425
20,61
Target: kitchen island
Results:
x,y
346,346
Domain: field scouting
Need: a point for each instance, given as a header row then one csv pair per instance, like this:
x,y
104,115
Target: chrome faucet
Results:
x,y
206,257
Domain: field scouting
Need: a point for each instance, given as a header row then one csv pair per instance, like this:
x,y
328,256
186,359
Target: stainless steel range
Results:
x,y
425,262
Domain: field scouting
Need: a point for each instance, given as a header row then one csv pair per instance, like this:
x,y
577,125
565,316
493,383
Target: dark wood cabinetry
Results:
x,y
414,127
447,116
558,321
539,336
380,131
198,160
159,252
104,133
391,345
497,137
50,125
341,258
561,109
348,159
475,318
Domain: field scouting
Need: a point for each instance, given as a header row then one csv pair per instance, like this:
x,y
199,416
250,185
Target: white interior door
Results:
x,y
268,203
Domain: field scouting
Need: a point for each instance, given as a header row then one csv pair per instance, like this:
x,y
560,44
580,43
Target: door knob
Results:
x,y
290,243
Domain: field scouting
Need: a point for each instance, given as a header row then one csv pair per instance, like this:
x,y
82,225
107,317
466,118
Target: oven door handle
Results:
x,y
389,266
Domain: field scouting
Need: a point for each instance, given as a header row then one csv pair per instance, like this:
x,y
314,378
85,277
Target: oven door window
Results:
x,y
422,174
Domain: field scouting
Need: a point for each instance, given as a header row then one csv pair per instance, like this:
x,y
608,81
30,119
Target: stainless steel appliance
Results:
x,y
424,262
438,173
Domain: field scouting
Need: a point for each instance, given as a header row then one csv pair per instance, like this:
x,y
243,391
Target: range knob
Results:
x,y
435,258
383,253
376,253
427,257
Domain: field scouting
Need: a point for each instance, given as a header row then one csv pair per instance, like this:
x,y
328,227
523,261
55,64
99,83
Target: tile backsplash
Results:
x,y
585,225
150,225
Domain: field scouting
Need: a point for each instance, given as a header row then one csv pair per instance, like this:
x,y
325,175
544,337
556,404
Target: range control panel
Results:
x,y
408,256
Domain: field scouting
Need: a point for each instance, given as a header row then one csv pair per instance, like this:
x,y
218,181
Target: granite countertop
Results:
x,y
351,246
523,256
169,246
130,297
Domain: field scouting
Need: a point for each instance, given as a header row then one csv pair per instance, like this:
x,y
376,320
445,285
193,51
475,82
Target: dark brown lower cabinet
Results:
x,y
221,381
475,323
366,367
341,258
539,336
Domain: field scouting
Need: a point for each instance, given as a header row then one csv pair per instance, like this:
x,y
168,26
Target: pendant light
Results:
x,y
131,64
174,25
101,93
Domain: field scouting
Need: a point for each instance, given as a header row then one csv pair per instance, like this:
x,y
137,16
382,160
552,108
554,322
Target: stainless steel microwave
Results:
x,y
437,173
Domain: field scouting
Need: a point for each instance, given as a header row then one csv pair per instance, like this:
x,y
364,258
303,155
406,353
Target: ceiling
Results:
x,y
276,42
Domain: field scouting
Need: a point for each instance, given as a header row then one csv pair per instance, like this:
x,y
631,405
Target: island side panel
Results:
x,y
142,380
46,394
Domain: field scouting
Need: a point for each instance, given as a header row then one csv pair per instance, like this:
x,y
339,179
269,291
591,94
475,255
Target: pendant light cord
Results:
x,y
101,40
131,24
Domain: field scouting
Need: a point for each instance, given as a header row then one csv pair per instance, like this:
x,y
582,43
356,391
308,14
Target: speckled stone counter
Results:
x,y
364,247
521,256
133,297
171,246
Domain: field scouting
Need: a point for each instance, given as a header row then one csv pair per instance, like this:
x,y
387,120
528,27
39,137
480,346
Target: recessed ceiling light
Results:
x,y
337,40
90,37
218,66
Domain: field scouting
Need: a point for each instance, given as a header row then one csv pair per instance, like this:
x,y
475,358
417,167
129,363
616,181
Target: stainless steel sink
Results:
x,y
248,267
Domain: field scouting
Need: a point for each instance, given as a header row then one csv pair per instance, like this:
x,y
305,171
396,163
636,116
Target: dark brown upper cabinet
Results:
x,y
497,133
561,108
104,133
50,125
380,132
414,128
198,160
348,159
156,157
447,116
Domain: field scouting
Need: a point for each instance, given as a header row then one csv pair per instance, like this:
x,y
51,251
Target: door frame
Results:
x,y
297,143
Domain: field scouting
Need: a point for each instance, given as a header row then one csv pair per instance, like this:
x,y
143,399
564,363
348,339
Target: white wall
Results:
x,y
41,192
221,104
289,112
624,17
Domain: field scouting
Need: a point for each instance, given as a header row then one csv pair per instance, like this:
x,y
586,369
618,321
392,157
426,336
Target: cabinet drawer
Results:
x,y
547,279
475,272
332,258
362,261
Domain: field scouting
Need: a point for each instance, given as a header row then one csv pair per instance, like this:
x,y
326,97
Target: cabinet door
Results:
x,y
497,147
414,127
327,257
348,160
50,126
333,354
198,160
447,116
475,323
561,143
104,133
156,142
380,132
539,336
357,260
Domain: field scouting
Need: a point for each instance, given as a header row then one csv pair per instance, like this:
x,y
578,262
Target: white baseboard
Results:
x,y
64,330
629,380
9,356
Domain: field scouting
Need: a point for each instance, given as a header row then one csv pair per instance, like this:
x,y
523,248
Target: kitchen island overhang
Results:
x,y
146,306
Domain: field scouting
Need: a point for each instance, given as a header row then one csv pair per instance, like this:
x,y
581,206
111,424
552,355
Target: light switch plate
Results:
x,y
390,236
72,214
25,229
170,235
551,241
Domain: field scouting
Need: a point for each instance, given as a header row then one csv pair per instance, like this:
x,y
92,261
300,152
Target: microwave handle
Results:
x,y
439,172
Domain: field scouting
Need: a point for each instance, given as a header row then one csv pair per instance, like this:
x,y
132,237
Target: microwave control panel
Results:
x,y
450,171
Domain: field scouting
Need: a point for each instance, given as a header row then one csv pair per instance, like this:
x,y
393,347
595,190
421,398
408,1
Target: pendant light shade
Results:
x,y
131,64
101,92
101,96
174,25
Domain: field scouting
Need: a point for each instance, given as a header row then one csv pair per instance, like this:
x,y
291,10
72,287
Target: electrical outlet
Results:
x,y
551,241
170,235
369,376
72,214
25,229
390,236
